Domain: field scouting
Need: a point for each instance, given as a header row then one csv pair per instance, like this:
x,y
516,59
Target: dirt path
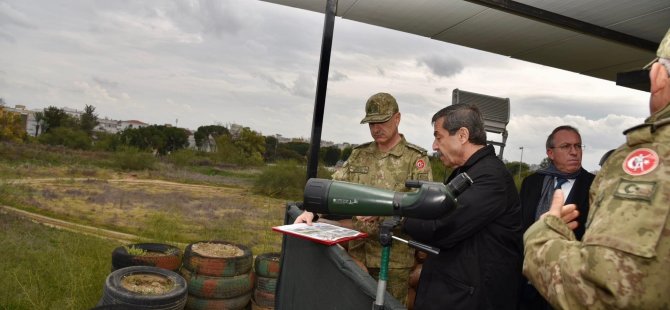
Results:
x,y
77,228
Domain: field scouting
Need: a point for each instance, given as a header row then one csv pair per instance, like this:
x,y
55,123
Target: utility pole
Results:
x,y
520,162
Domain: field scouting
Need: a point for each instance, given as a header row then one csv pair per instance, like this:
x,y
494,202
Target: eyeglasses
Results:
x,y
663,61
568,147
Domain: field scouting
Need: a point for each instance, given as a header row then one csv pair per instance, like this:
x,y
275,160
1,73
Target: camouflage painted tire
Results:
x,y
267,265
264,299
254,306
217,287
268,285
235,303
218,266
169,259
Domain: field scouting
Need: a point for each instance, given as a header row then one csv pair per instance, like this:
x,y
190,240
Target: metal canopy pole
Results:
x,y
321,86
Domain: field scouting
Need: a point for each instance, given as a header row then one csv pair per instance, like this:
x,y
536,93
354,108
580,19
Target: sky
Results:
x,y
253,63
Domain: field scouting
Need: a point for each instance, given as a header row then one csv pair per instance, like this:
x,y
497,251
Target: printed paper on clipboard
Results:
x,y
321,232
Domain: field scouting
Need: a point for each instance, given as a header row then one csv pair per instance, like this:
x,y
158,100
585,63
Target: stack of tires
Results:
x,y
266,267
414,275
147,254
218,275
143,287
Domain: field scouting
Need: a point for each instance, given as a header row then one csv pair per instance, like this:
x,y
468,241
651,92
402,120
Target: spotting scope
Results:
x,y
432,200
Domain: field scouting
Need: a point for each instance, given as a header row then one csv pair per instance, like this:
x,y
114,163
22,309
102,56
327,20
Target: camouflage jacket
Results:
x,y
623,261
387,170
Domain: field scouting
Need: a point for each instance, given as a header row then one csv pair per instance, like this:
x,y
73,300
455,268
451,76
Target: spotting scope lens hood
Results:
x,y
432,200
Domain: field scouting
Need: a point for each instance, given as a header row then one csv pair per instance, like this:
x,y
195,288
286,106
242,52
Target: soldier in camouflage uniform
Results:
x,y
386,163
623,260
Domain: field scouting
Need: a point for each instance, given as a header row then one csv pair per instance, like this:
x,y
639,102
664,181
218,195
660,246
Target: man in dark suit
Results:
x,y
564,150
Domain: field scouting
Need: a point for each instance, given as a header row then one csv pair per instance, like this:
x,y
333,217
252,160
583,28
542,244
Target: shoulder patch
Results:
x,y
640,162
635,190
417,148
362,145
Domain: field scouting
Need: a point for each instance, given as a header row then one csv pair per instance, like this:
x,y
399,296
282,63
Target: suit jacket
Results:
x,y
531,190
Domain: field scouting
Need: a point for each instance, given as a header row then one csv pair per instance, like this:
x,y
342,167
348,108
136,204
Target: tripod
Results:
x,y
386,238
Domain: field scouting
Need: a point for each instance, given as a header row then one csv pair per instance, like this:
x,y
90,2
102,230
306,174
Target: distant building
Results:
x,y
132,124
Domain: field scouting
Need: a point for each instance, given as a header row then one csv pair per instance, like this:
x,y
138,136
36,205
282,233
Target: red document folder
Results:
x,y
321,232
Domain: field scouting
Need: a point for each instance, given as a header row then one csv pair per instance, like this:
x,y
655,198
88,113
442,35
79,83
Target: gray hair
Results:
x,y
550,139
463,115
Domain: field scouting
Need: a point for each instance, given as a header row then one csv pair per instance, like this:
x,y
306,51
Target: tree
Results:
x,y
203,133
271,145
11,126
88,120
162,139
544,164
330,155
54,117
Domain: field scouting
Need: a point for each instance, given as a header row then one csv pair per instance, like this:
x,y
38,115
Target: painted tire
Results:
x,y
254,306
264,299
171,261
267,265
217,287
235,303
218,266
268,285
116,293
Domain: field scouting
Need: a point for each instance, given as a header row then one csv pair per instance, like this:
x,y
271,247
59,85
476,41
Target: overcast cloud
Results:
x,y
253,63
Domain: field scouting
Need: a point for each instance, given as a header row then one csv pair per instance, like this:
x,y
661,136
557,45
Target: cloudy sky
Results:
x,y
253,63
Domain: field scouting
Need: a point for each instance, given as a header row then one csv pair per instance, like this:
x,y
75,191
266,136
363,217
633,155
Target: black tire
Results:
x,y
114,292
217,287
267,265
235,303
171,261
218,266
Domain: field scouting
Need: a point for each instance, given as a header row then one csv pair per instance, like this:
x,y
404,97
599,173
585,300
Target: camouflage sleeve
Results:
x,y
573,275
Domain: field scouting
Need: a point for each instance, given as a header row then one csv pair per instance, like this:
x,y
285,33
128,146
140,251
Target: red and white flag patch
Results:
x,y
420,164
640,162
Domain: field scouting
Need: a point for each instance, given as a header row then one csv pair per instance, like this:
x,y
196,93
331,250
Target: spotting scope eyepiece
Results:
x,y
432,200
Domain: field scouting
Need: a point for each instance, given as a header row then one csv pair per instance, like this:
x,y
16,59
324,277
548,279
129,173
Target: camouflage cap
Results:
x,y
664,48
379,108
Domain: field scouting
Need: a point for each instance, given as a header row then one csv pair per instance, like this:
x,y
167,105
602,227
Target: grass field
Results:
x,y
49,268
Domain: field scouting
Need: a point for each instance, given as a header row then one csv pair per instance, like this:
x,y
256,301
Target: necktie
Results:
x,y
559,182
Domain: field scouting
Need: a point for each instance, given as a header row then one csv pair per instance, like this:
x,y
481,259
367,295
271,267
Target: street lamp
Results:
x,y
520,161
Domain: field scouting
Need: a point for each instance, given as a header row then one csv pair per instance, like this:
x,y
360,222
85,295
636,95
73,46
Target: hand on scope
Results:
x,y
305,217
568,213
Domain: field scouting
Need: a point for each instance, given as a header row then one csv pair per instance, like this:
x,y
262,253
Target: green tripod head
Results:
x,y
432,200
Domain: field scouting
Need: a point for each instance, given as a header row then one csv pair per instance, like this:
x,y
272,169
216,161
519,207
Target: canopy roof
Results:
x,y
599,38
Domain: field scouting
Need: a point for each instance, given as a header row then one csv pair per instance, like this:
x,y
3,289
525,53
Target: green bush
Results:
x,y
183,157
130,158
286,179
68,137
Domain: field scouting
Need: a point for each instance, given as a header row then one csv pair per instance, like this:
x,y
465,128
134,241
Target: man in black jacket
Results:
x,y
480,242
564,150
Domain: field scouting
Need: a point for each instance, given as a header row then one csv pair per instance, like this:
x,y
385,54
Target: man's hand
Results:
x,y
568,213
305,217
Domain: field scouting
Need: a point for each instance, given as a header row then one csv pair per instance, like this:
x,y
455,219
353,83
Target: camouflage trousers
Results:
x,y
397,284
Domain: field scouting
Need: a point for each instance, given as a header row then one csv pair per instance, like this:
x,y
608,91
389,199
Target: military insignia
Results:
x,y
635,190
640,162
420,164
359,169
